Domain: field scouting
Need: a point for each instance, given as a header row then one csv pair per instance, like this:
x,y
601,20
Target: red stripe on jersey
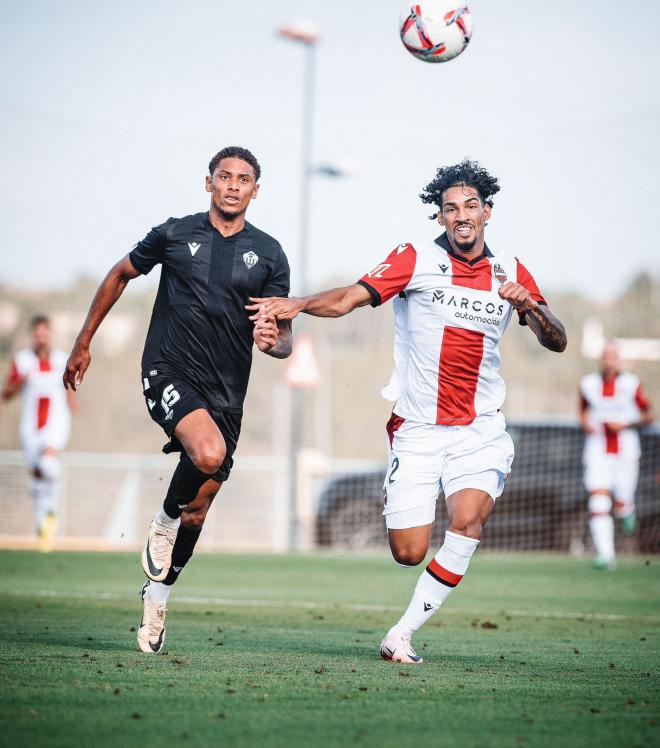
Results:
x,y
611,437
44,364
478,276
444,574
460,358
43,408
393,425
641,400
393,275
611,441
609,386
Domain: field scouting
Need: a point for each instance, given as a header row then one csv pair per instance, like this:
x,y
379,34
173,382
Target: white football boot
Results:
x,y
396,647
157,555
151,632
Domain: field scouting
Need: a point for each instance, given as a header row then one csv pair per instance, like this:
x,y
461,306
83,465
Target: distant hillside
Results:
x,y
345,414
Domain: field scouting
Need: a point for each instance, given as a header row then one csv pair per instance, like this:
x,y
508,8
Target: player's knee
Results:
x,y
600,503
469,525
209,457
50,468
408,556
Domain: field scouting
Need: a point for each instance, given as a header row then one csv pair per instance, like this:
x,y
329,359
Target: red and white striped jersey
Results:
x,y
454,319
618,400
43,397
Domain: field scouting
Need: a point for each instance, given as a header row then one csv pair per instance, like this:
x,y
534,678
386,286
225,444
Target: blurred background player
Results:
x,y
197,356
45,422
455,299
613,406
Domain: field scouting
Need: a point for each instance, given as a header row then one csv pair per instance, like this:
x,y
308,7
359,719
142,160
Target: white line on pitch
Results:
x,y
310,605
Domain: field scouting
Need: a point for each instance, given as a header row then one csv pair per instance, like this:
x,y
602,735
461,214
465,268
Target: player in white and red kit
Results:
x,y
455,298
613,406
36,373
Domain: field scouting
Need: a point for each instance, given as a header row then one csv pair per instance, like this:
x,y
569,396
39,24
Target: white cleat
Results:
x,y
397,648
157,555
151,632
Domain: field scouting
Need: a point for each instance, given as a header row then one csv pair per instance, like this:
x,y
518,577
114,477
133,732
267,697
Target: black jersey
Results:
x,y
199,329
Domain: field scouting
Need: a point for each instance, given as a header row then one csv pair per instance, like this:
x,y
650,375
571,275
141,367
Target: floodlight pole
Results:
x,y
308,37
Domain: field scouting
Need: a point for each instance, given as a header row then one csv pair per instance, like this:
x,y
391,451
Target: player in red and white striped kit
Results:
x,y
36,374
613,406
454,299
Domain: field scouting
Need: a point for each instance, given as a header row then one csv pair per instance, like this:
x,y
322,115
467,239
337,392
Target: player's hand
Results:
x,y
265,331
276,307
614,428
518,296
76,366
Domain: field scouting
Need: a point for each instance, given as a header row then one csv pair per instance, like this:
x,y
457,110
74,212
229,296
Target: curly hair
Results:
x,y
468,173
235,151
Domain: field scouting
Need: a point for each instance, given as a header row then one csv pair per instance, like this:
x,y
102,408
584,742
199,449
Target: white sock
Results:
x,y
601,525
437,581
41,503
158,592
164,519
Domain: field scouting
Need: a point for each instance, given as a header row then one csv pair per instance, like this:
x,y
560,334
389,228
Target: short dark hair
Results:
x,y
235,151
39,319
468,173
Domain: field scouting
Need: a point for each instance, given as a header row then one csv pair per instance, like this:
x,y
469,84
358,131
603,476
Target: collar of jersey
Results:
x,y
443,241
231,238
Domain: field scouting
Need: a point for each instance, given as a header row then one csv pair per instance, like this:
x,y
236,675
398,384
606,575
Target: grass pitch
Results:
x,y
529,650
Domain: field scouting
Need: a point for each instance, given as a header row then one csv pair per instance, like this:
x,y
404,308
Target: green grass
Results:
x,y
568,656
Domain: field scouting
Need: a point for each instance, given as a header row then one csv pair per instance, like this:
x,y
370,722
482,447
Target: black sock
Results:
x,y
184,545
185,483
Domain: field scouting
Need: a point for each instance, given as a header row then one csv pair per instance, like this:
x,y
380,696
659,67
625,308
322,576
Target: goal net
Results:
x,y
543,507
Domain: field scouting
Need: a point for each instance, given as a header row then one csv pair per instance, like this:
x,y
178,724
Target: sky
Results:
x,y
110,113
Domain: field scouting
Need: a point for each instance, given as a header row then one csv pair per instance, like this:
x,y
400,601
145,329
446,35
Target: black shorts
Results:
x,y
170,398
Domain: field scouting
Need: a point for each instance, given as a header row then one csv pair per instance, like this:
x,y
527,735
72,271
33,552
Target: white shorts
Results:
x,y
424,459
611,472
52,436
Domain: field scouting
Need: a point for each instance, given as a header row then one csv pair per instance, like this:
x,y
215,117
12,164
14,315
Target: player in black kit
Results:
x,y
197,356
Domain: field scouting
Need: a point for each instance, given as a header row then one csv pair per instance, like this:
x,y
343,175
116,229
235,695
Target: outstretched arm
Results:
x,y
109,291
334,303
542,322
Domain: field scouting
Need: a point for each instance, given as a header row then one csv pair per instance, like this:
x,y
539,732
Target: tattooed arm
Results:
x,y
542,322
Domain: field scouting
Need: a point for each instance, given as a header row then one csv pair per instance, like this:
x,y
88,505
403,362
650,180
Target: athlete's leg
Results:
x,y
410,545
468,511
204,452
625,486
601,526
192,521
46,476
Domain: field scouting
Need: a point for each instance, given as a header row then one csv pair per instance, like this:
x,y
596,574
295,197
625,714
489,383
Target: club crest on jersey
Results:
x,y
498,272
250,259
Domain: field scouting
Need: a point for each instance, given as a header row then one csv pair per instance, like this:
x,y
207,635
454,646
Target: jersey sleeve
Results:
x,y
279,283
391,276
149,252
14,375
641,399
524,278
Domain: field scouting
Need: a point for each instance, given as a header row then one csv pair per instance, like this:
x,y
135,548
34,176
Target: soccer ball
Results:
x,y
435,30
